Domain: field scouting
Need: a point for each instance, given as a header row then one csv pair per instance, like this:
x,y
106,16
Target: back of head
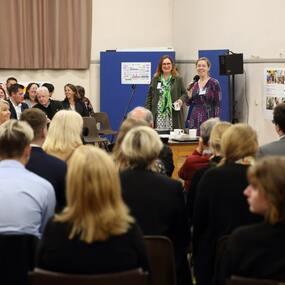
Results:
x,y
141,147
64,134
141,113
49,86
238,141
80,91
15,136
216,136
206,129
268,176
37,119
279,116
94,204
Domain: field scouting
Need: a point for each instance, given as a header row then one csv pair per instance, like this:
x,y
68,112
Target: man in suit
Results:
x,y
165,156
276,147
16,97
46,166
50,107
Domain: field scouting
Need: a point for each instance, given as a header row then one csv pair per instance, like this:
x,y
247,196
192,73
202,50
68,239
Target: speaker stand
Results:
x,y
234,117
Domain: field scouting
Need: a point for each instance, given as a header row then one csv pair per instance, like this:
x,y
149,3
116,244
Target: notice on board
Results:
x,y
135,72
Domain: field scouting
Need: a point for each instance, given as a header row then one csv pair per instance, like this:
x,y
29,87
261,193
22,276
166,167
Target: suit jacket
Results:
x,y
273,148
24,106
79,107
53,107
178,91
52,169
255,251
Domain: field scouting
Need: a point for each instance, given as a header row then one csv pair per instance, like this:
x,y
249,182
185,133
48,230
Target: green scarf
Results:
x,y
166,107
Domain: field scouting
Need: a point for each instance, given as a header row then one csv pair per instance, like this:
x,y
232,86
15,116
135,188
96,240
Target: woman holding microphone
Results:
x,y
166,96
204,96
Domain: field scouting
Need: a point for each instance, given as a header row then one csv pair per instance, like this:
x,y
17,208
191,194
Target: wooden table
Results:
x,y
180,151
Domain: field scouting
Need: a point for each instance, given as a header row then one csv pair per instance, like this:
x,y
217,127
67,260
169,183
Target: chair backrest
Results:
x,y
102,120
17,257
238,280
89,127
161,258
131,277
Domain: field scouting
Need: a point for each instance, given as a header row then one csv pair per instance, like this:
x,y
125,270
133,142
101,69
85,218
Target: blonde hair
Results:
x,y
238,141
268,175
95,207
64,134
15,136
3,102
141,147
127,125
216,136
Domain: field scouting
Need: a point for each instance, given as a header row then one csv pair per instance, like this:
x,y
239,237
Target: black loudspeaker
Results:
x,y
231,64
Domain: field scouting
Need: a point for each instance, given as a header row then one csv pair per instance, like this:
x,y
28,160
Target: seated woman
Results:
x,y
31,94
4,111
258,251
95,233
64,134
156,201
220,206
73,102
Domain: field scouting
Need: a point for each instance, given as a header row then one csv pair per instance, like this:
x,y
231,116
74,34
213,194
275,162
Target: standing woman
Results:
x,y
204,96
165,89
72,101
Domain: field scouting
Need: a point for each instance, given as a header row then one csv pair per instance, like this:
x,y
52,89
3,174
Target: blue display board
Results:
x,y
114,96
213,56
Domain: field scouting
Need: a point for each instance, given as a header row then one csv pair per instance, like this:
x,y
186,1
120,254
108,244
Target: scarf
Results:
x,y
166,106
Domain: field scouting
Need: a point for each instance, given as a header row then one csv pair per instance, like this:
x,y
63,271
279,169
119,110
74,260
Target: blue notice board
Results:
x,y
114,96
213,56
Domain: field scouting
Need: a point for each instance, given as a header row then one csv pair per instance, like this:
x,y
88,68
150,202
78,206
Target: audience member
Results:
x,y
3,93
156,201
276,147
216,157
27,200
220,206
127,125
46,166
95,233
64,134
85,100
200,156
257,251
16,97
165,156
9,82
50,107
31,94
72,100
50,88
4,111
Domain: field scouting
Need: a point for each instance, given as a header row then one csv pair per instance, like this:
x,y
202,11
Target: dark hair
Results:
x,y
80,91
11,78
36,118
15,88
49,86
27,95
73,88
5,95
159,67
279,116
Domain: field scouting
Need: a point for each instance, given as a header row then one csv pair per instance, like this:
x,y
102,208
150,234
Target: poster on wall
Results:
x,y
135,72
274,89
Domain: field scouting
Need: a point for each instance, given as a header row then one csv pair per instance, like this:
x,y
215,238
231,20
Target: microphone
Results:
x,y
195,79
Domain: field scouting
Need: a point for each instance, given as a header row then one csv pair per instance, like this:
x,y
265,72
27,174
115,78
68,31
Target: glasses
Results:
x,y
167,63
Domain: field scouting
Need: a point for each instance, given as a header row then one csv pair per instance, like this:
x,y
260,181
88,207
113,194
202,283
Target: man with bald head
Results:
x,y
165,156
50,107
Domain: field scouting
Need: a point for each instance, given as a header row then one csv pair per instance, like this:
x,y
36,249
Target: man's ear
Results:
x,y
44,132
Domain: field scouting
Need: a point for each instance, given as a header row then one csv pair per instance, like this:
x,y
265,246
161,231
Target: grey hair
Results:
x,y
141,113
43,89
206,129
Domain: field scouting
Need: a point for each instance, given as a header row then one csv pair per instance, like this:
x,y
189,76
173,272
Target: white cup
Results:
x,y
192,133
178,131
176,106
